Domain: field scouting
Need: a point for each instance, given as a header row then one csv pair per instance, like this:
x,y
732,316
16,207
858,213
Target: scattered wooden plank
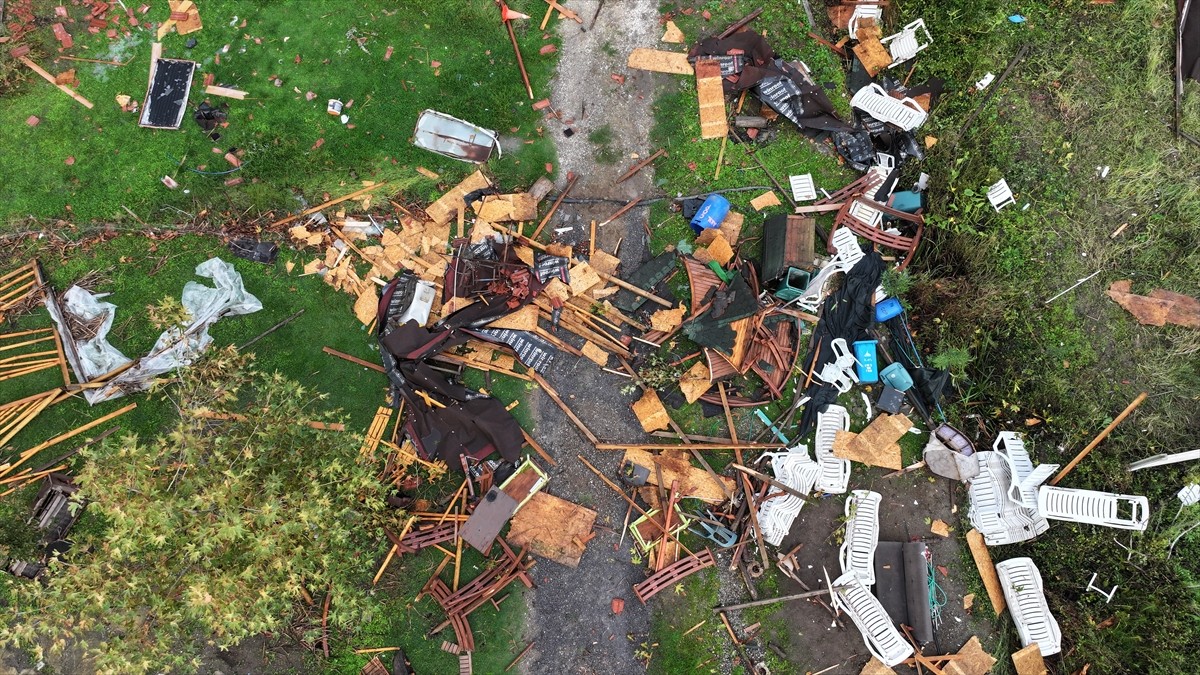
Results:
x,y
1096,441
331,202
587,433
640,165
62,87
987,570
227,92
714,122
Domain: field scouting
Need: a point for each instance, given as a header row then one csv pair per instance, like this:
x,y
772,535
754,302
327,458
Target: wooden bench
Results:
x,y
673,574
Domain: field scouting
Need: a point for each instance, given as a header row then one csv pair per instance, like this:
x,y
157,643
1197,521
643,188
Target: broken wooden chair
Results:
x,y
858,216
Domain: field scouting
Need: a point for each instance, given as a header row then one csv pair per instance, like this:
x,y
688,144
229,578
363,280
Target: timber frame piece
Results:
x,y
877,235
673,574
31,355
19,285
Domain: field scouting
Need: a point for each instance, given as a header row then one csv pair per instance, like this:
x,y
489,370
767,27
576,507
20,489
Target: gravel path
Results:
x,y
570,616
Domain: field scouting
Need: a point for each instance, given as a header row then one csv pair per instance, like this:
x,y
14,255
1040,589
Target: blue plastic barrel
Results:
x,y
888,309
864,352
897,377
711,213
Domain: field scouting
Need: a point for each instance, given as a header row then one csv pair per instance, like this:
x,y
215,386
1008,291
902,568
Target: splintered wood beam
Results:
x,y
1096,441
621,211
571,178
62,87
634,289
331,202
640,165
353,359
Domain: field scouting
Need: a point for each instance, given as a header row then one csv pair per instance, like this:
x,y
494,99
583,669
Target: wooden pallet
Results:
x,y
673,574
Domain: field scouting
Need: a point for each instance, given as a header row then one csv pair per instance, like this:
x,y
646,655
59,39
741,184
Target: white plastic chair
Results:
x,y
1000,519
861,12
1026,598
834,478
1124,512
857,554
906,44
797,470
883,640
848,254
1000,195
875,101
803,188
1025,478
862,211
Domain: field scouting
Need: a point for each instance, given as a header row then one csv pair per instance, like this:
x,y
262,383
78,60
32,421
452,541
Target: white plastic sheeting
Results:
x,y
175,348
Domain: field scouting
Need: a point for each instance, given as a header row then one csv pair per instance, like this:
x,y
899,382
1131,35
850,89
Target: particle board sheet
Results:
x,y
651,413
972,660
714,123
550,526
446,207
987,570
1029,661
875,445
659,61
694,482
873,55
696,382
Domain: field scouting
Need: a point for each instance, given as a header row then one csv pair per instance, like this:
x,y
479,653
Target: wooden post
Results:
x,y
62,87
1096,441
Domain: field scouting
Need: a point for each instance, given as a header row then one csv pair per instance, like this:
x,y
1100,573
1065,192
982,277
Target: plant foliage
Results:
x,y
214,528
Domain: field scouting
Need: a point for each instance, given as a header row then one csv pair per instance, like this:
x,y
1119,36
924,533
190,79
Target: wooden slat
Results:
x,y
714,122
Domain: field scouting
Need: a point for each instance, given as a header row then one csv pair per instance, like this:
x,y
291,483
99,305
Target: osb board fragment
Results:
x,y
484,230
696,382
549,526
601,292
1157,309
876,667
714,122
301,234
972,660
720,250
659,61
876,445
940,528
367,305
1029,661
525,318
707,235
673,35
604,262
524,254
765,200
506,208
444,209
665,320
987,570
595,354
872,55
651,413
867,29
582,278
557,290
676,466
731,227
454,304
839,16
313,266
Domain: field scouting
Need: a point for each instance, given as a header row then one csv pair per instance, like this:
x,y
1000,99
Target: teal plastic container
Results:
x,y
897,377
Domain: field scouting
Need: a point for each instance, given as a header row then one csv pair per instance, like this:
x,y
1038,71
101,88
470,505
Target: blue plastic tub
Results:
x,y
888,309
867,366
711,213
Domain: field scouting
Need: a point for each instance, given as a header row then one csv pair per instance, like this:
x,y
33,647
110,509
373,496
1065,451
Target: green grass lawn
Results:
x,y
453,57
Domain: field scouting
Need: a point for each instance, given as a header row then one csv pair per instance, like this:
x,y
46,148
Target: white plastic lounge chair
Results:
x,y
857,554
841,372
1124,512
803,188
875,101
797,470
834,478
882,638
999,194
848,254
862,211
861,12
1022,584
999,518
1025,478
906,44
830,373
